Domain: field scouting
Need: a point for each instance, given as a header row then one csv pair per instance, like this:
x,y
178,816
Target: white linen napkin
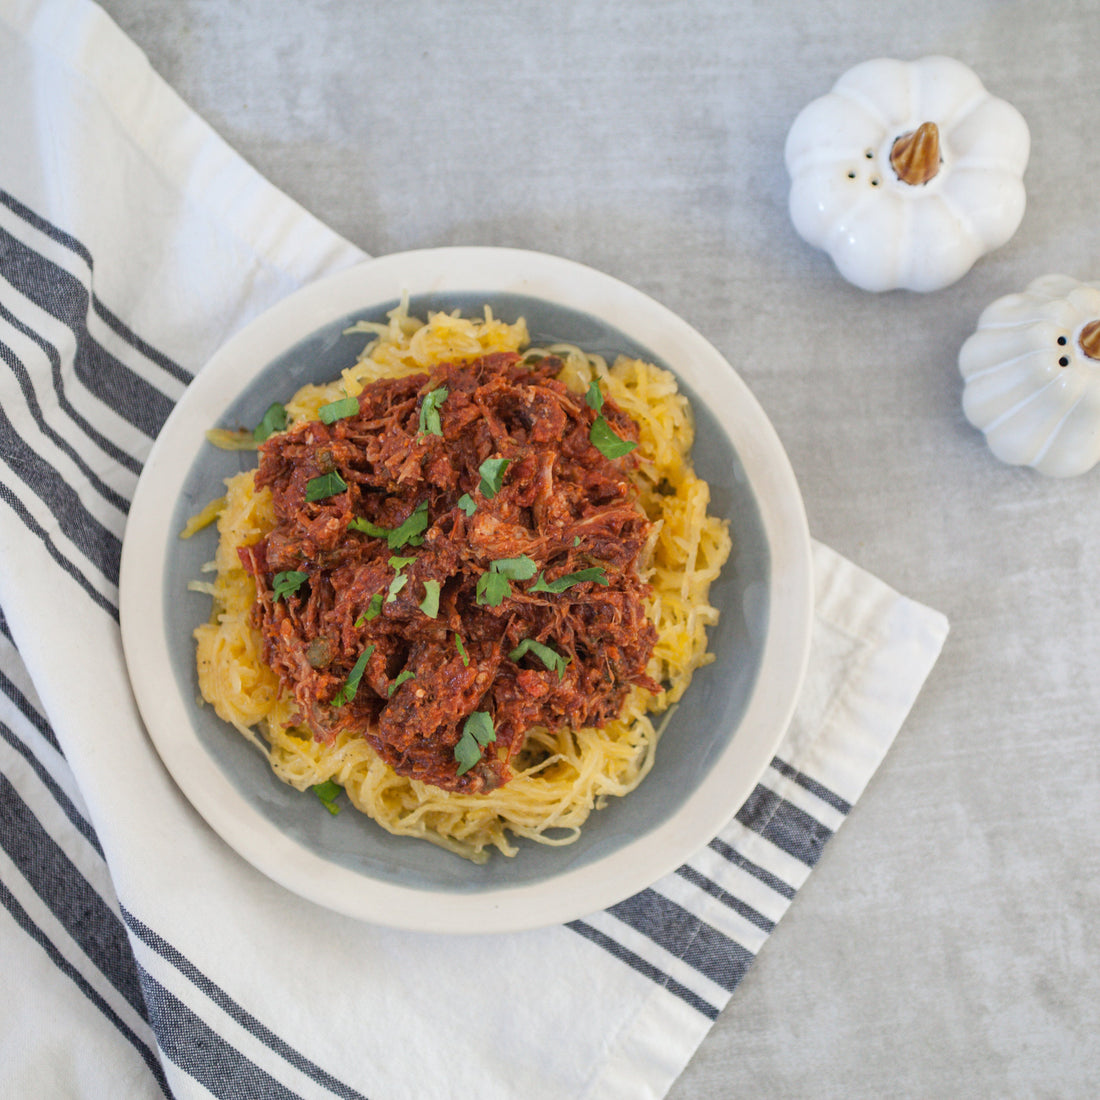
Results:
x,y
141,956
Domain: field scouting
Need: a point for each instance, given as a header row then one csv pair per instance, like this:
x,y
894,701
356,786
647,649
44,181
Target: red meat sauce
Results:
x,y
561,503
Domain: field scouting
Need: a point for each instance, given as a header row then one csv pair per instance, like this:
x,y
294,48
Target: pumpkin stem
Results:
x,y
915,156
1090,339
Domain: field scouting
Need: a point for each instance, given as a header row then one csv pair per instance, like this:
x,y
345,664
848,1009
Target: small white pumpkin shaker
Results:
x,y
1031,375
907,172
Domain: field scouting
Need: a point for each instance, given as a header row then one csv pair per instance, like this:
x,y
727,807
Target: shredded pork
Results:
x,y
561,504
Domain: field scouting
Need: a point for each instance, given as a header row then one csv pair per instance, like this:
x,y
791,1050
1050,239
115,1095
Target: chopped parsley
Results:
x,y
477,732
287,583
493,586
522,568
604,438
402,676
361,523
594,397
492,589
400,579
430,424
466,503
595,573
492,476
430,603
551,658
351,684
374,609
274,421
325,486
408,533
338,410
328,792
462,650
607,441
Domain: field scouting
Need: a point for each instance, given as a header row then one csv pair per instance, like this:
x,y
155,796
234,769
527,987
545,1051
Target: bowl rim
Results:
x,y
576,891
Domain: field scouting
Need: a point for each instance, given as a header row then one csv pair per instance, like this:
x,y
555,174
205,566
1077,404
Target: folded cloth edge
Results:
x,y
902,640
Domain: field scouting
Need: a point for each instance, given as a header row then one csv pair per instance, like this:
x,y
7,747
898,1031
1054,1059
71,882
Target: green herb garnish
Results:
x,y
430,603
522,568
396,585
402,676
408,532
430,423
493,586
467,504
399,563
462,650
374,609
604,438
595,573
328,792
351,684
325,486
551,658
477,732
274,421
608,442
594,397
492,589
287,583
338,410
492,476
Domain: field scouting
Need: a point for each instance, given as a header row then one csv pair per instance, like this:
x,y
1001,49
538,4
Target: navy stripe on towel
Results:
x,y
202,1053
70,242
23,919
65,298
126,461
730,901
78,907
51,548
23,704
773,882
226,1003
793,830
697,944
818,790
636,962
101,546
68,808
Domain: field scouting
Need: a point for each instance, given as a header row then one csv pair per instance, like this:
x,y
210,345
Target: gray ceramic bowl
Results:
x,y
714,748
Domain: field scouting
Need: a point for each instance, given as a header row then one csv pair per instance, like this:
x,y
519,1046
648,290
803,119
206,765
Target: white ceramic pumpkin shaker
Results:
x,y
1031,376
907,172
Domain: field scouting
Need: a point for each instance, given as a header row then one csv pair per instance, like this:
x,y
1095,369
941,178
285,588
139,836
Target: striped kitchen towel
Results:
x,y
140,956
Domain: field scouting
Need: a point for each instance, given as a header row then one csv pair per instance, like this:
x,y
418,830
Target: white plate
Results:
x,y
717,744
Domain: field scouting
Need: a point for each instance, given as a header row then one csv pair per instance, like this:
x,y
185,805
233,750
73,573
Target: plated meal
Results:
x,y
543,518
465,581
